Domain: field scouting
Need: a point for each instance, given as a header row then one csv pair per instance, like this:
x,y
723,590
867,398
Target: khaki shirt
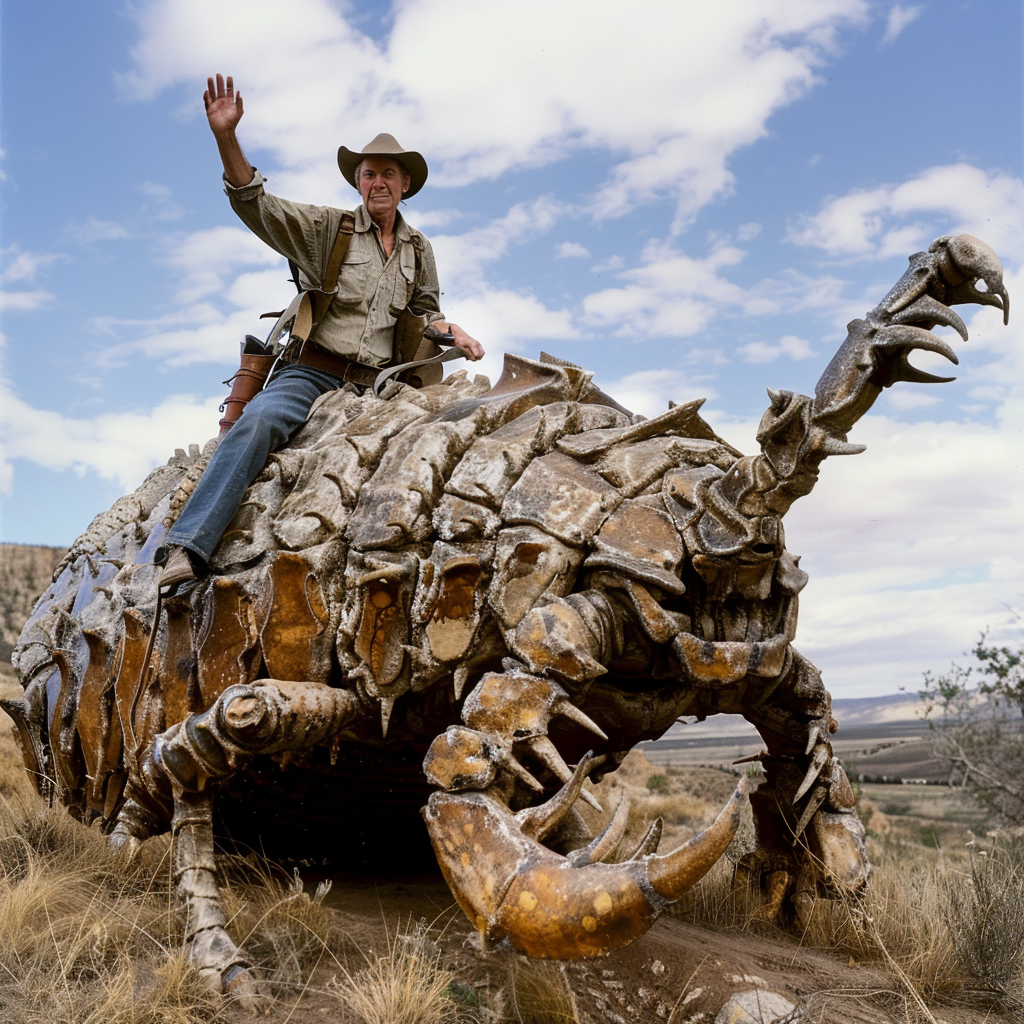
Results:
x,y
372,289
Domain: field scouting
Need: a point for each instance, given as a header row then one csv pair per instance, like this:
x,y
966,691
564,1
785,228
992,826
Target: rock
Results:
x,y
755,1006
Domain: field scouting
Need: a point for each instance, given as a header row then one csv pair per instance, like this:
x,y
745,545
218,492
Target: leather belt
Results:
x,y
320,359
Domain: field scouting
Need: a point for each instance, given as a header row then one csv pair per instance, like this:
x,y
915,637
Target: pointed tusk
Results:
x,y
812,740
818,762
387,705
537,822
671,874
816,800
547,753
903,336
573,713
520,772
604,846
650,841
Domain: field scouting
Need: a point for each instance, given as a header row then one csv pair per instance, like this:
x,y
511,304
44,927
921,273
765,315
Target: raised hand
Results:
x,y
223,107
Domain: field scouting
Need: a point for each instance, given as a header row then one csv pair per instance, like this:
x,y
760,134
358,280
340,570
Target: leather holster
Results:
x,y
410,346
247,382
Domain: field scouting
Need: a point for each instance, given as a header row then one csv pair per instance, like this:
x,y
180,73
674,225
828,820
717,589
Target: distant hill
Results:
x,y
25,571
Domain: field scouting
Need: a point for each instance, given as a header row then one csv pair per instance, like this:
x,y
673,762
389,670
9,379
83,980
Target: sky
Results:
x,y
689,199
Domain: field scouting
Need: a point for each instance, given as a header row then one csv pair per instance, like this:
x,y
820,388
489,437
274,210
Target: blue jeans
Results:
x,y
268,421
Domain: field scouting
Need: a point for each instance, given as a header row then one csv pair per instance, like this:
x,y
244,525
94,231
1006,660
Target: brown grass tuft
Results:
x,y
406,985
540,993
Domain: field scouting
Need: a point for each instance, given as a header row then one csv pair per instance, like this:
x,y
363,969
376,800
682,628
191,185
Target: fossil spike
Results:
x,y
604,845
818,762
387,705
548,754
833,446
459,680
650,841
537,822
812,739
817,798
671,874
518,770
574,714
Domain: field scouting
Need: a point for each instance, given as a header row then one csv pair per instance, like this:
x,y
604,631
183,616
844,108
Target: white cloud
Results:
x,y
648,392
22,267
19,265
164,208
734,65
674,295
571,250
788,345
23,302
96,230
118,446
899,18
206,259
949,199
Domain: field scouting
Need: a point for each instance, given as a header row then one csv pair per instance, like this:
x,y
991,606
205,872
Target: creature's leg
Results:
x,y
810,838
269,420
187,761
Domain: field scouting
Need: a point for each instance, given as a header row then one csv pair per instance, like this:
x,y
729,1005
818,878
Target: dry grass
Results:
x,y
946,926
406,985
539,993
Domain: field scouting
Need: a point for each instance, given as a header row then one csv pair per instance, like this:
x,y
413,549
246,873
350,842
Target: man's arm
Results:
x,y
224,110
461,339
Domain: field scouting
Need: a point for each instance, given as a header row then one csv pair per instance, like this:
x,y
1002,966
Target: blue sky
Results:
x,y
689,199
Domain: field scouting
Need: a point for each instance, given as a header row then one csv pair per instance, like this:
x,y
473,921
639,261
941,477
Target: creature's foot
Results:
x,y
766,880
135,824
226,970
121,840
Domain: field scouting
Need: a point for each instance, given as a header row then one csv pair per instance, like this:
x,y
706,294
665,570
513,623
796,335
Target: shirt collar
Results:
x,y
364,222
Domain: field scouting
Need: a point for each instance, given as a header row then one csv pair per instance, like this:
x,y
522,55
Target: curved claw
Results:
x,y
928,312
899,342
604,846
510,886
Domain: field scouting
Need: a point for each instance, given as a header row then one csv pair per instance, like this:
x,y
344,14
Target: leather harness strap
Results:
x,y
314,302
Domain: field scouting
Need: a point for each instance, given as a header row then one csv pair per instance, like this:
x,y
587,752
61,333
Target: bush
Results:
x,y
976,715
986,919
658,783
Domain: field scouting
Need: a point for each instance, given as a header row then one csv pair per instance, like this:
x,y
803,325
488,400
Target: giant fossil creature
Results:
x,y
445,597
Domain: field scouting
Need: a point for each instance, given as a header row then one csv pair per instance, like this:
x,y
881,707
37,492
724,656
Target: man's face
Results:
x,y
382,183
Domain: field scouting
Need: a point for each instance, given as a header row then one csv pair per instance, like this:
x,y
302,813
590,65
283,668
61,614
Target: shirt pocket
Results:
x,y
405,280
353,279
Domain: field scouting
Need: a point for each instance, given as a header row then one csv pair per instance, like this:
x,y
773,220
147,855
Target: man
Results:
x,y
385,268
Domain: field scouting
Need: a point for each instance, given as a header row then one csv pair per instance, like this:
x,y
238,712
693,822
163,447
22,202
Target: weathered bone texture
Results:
x,y
466,590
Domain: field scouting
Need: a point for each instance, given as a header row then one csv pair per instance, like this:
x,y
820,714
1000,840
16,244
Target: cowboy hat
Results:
x,y
385,145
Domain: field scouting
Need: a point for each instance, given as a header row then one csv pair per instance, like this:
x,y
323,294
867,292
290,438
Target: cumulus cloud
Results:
x,y
730,67
648,392
94,230
19,266
571,251
120,446
674,295
788,345
899,18
894,219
